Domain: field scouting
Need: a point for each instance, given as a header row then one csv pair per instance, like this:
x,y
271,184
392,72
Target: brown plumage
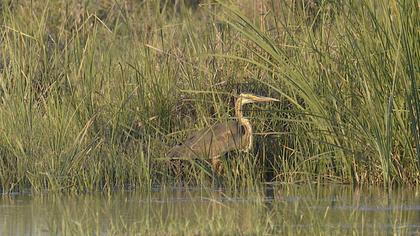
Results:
x,y
212,142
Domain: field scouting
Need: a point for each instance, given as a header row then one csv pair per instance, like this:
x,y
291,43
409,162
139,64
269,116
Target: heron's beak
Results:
x,y
263,99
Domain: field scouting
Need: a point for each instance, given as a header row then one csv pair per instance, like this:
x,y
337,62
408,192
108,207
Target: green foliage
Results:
x,y
93,95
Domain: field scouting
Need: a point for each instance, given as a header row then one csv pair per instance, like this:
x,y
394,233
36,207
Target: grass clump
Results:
x,y
351,68
92,95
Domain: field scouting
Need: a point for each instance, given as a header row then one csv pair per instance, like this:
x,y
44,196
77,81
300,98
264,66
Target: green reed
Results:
x,y
93,95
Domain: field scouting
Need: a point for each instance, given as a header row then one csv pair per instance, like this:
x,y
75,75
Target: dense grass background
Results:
x,y
92,94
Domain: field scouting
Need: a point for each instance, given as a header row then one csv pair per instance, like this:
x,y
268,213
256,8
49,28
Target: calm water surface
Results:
x,y
285,210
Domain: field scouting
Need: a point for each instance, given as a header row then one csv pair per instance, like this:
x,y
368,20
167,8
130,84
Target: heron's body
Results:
x,y
212,142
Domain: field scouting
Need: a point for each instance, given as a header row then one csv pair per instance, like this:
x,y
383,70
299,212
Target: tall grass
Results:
x,y
93,95
355,80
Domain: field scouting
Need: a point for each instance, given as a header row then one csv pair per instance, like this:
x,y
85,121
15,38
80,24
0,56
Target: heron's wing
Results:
x,y
188,148
212,141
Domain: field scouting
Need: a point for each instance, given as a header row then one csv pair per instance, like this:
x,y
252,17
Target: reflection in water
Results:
x,y
274,210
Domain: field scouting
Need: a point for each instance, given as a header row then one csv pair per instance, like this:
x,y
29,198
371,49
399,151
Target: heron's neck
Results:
x,y
238,111
244,122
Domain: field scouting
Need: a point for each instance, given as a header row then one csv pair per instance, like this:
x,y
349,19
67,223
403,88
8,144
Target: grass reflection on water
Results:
x,y
291,210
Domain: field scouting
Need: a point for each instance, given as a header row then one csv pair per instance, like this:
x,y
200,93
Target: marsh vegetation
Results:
x,y
93,94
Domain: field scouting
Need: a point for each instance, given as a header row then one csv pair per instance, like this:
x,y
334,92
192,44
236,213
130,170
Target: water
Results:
x,y
285,210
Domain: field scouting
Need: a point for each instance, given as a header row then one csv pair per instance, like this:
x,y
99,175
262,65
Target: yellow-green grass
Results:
x,y
93,95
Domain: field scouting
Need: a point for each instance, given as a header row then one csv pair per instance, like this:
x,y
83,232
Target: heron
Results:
x,y
214,141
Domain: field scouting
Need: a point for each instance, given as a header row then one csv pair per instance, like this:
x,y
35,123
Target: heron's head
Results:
x,y
245,98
